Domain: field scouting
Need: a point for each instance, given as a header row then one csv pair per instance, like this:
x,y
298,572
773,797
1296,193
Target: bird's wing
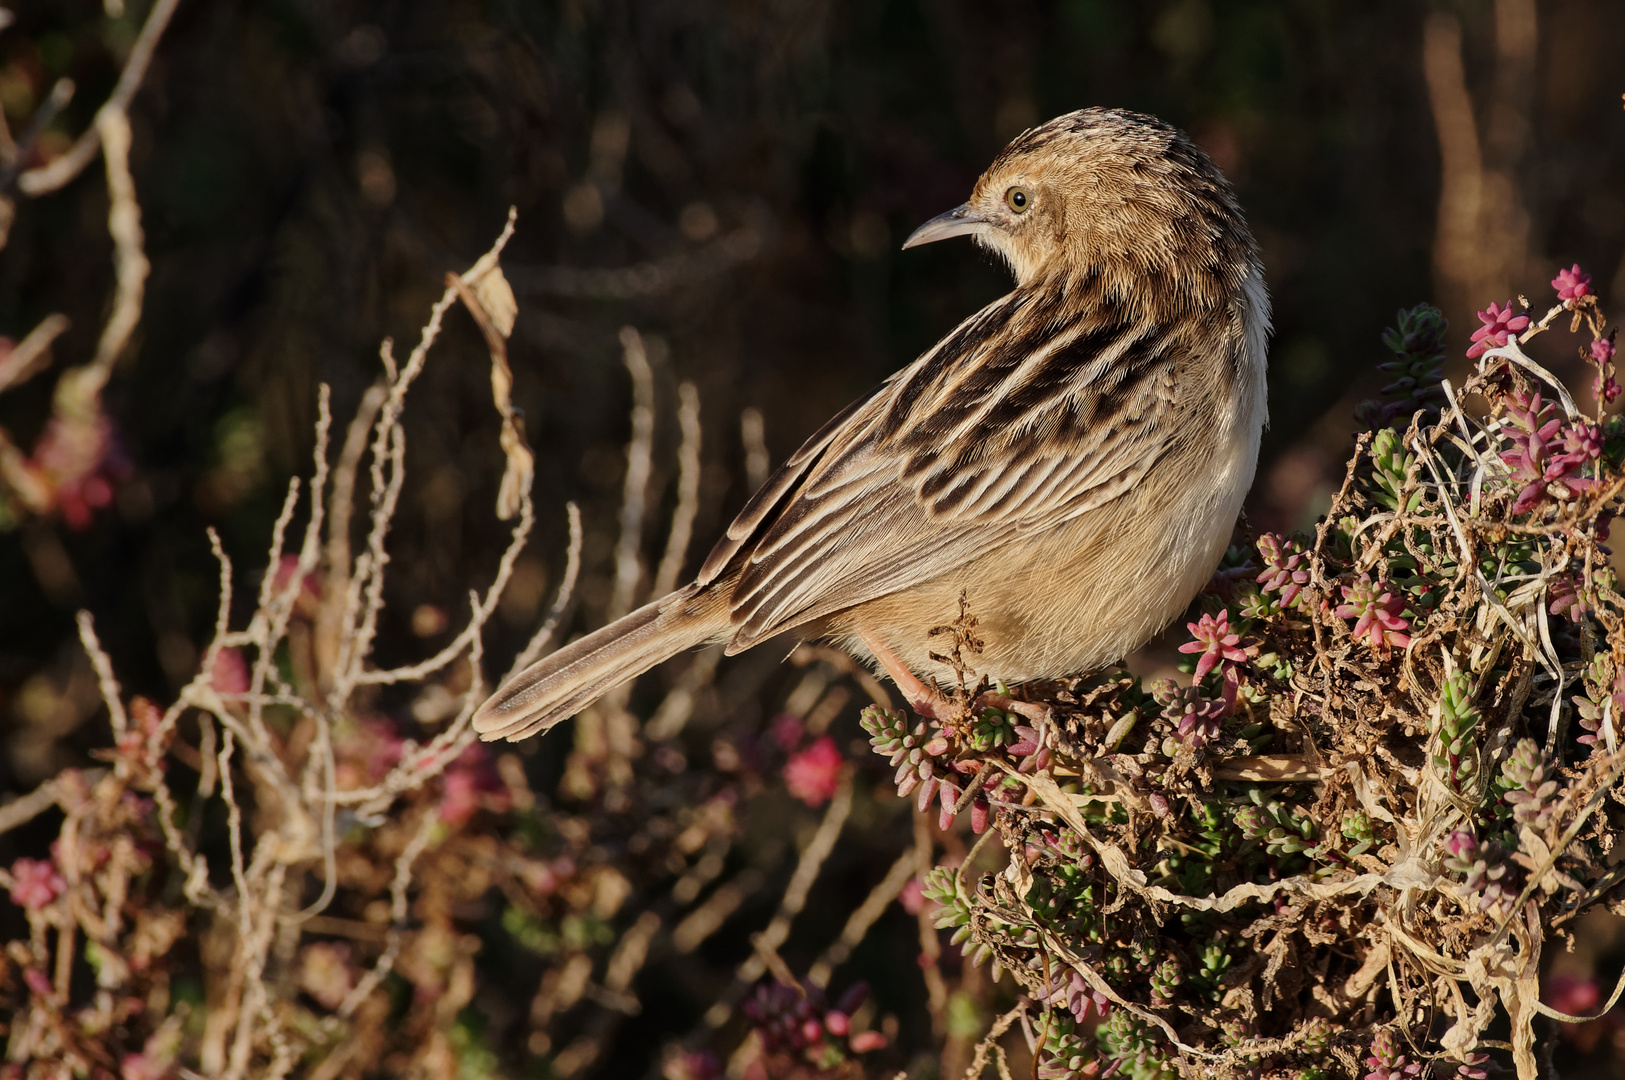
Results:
x,y
1026,415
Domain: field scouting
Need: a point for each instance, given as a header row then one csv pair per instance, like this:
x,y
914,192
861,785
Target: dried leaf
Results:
x,y
496,297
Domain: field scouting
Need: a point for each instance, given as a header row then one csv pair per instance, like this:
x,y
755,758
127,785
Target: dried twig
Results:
x,y
635,493
644,279
989,1043
59,171
129,259
688,491
753,436
28,356
108,683
863,917
561,600
790,904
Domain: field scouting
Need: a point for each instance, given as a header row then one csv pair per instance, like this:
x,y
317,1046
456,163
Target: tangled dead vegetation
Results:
x,y
278,706
1341,849
294,868
1392,783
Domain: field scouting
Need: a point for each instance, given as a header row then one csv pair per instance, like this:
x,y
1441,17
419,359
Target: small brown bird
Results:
x,y
1072,457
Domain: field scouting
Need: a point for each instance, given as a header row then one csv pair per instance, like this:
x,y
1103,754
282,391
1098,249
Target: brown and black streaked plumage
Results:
x,y
1072,457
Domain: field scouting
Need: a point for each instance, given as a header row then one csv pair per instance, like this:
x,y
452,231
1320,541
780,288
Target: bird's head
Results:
x,y
1104,191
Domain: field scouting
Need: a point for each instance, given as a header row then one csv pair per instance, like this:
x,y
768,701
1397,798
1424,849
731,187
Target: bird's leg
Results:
x,y
931,704
921,698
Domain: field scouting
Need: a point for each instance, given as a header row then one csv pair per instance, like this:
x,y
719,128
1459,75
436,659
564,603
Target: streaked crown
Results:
x,y
1109,192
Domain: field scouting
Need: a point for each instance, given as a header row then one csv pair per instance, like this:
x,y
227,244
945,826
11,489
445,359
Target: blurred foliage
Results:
x,y
733,179
307,170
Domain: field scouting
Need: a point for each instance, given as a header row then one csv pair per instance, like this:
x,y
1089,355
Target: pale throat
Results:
x,y
1023,263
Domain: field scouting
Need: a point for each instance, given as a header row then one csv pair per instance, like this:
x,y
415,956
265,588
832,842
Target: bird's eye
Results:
x,y
1018,200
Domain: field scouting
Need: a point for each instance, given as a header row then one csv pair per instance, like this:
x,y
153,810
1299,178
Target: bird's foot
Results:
x,y
1035,711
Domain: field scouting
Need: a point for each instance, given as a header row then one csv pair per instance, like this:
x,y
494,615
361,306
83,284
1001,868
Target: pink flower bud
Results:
x,y
35,883
814,774
1571,284
865,1041
1499,322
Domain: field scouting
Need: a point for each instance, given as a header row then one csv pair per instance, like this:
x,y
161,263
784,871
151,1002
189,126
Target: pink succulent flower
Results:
x,y
469,784
793,1019
1196,717
1571,285
1216,642
229,675
1461,843
1386,1061
1499,322
1547,456
142,1067
325,973
864,1041
35,883
787,730
1582,445
1376,611
813,775
77,461
1286,567
1572,994
460,798
1080,996
1564,597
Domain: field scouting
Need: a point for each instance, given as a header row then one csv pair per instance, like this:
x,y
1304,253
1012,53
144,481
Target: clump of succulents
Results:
x,y
1440,657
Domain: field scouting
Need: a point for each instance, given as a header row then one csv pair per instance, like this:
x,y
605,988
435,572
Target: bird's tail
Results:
x,y
558,686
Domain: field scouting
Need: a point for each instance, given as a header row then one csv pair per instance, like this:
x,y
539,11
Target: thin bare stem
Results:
x,y
65,167
397,912
635,493
561,600
812,860
129,259
644,279
105,680
752,434
990,1042
28,356
858,923
688,491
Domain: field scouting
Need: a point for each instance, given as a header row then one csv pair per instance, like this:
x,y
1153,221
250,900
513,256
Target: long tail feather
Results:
x,y
558,686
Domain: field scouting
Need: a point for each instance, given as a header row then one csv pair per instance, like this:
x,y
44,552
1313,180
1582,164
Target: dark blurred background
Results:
x,y
732,178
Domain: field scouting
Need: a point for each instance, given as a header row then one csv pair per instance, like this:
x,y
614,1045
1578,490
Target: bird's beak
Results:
x,y
962,220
